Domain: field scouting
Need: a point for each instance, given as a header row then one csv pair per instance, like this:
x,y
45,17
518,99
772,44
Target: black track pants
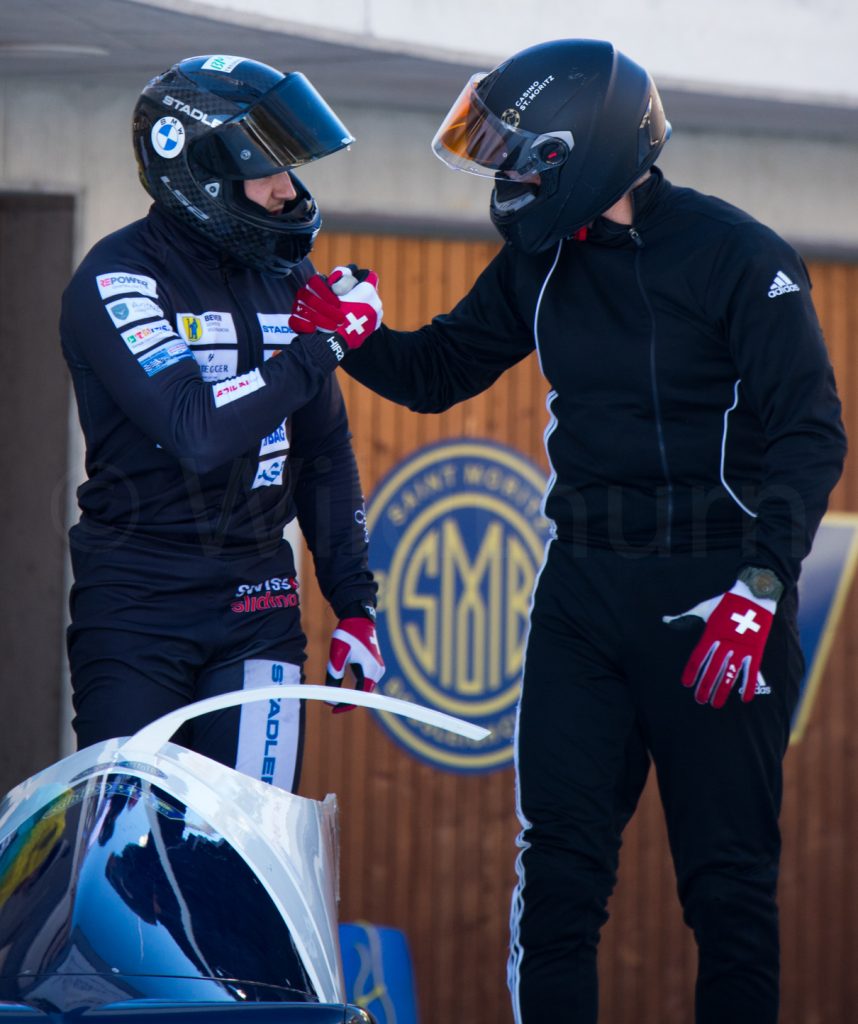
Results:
x,y
153,630
601,697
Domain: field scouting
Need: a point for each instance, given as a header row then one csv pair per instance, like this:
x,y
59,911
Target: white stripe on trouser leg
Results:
x,y
269,731
516,949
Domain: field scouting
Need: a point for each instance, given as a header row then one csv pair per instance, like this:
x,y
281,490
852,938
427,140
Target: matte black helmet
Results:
x,y
207,124
565,129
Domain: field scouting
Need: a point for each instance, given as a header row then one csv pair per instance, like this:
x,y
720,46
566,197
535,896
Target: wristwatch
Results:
x,y
762,583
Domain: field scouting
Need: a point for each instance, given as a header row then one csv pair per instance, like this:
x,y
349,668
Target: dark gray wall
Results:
x,y
35,264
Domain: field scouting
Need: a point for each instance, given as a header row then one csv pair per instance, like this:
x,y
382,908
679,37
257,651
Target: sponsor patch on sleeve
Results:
x,y
165,355
127,311
269,472
275,329
146,335
230,390
275,441
216,363
121,282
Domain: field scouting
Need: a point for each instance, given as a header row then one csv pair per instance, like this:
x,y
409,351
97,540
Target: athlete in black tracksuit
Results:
x,y
208,428
694,430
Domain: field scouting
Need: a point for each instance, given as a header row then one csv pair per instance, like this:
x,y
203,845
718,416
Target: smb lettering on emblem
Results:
x,y
457,539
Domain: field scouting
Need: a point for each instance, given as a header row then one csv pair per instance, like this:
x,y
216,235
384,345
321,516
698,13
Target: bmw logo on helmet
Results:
x,y
168,137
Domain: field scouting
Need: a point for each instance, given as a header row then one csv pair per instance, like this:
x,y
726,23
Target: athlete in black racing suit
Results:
x,y
208,428
694,438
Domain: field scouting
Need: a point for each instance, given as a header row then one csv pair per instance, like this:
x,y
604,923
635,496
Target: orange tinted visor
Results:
x,y
473,138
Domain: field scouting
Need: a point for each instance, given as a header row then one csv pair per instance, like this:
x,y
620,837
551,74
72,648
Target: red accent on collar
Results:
x,y
581,234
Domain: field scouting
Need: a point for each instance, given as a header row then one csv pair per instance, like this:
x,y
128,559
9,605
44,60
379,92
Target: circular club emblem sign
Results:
x,y
456,541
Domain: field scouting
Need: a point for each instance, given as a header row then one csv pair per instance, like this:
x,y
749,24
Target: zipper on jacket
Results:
x,y
659,426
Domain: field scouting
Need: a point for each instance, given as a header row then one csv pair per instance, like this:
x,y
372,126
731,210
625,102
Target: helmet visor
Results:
x,y
290,125
473,138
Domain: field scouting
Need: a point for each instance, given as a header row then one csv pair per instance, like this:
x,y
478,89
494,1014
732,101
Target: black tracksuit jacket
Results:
x,y
692,402
195,437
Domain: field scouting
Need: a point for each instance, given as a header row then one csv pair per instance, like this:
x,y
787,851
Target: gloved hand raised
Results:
x,y
354,643
730,651
346,302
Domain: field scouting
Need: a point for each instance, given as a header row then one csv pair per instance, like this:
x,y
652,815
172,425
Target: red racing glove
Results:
x,y
346,302
731,649
354,643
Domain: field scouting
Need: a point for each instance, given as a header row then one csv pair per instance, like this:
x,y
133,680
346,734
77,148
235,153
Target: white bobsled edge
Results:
x,y
152,737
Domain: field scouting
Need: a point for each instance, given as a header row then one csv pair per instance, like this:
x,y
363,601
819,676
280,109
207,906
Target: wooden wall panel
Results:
x,y
36,238
432,852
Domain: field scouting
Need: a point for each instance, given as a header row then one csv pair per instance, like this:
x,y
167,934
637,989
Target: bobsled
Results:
x,y
141,881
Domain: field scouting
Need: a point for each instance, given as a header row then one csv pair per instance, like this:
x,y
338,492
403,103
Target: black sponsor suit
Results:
x,y
192,478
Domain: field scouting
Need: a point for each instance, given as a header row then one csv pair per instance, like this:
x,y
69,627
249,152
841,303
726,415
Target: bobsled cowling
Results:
x,y
137,875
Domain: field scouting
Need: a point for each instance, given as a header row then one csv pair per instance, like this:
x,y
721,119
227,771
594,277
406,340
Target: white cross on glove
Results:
x,y
731,649
347,302
354,643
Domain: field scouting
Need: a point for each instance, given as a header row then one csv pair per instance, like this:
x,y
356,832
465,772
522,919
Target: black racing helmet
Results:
x,y
565,128
209,123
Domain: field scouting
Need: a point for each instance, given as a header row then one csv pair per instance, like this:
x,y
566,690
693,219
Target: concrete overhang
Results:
x,y
113,39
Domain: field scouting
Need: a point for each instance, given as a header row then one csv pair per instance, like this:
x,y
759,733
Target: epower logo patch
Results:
x,y
456,541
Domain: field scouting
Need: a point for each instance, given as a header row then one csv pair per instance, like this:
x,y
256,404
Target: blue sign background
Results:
x,y
823,587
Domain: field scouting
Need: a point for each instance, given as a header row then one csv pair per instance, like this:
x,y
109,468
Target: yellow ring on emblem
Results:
x,y
466,449
430,691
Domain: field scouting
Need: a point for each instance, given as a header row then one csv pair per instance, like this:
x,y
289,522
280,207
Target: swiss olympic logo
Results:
x,y
456,541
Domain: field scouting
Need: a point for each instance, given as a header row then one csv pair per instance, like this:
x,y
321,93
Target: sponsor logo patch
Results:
x,y
277,592
233,388
166,355
126,311
120,282
222,62
274,441
269,472
216,363
207,328
147,335
275,328
274,583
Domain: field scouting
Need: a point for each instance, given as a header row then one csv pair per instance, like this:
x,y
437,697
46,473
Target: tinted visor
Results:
x,y
474,139
289,126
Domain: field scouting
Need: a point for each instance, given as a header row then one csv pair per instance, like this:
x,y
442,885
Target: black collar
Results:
x,y
645,203
170,233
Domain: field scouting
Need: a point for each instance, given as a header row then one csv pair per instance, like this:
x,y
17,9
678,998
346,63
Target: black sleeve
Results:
x,y
154,378
329,500
785,373
457,355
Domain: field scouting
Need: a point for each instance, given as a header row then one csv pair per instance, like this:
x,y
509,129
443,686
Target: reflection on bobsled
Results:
x,y
139,879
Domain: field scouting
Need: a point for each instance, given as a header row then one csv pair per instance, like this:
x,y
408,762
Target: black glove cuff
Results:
x,y
358,610
327,349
